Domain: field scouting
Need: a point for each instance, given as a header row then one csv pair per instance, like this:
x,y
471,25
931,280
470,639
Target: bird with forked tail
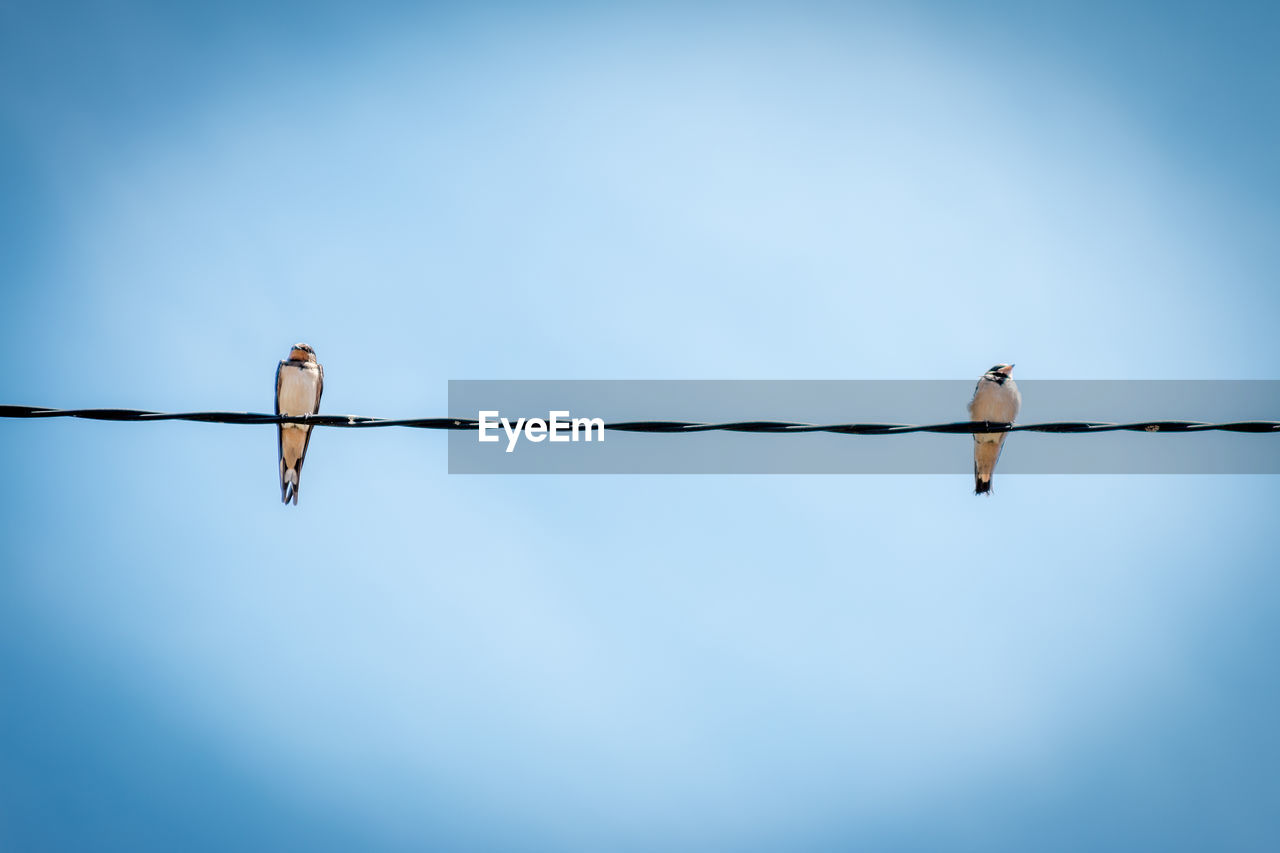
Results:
x,y
996,399
299,384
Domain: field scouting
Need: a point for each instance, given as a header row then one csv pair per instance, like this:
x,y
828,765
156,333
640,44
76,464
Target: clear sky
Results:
x,y
659,191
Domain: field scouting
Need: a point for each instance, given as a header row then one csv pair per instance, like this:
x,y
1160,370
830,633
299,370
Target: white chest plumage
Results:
x,y
997,402
298,386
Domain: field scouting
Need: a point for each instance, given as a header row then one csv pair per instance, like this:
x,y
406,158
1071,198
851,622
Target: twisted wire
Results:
x,y
774,427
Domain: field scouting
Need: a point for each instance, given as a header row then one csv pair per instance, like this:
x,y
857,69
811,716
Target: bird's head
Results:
x,y
302,352
998,374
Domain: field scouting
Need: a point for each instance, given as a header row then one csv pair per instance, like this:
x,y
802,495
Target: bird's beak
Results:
x,y
1007,369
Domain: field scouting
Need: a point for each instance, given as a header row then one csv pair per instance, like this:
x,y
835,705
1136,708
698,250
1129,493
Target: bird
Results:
x,y
299,384
996,399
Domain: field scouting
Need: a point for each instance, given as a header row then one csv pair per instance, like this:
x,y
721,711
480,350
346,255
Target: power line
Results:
x,y
774,427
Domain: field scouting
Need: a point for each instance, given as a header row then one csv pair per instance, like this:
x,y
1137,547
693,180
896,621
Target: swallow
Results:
x,y
995,399
299,383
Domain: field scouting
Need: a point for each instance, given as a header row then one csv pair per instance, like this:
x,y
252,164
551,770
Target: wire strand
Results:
x,y
774,427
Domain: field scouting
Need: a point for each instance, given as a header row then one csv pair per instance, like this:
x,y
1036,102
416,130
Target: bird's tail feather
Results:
x,y
289,484
985,455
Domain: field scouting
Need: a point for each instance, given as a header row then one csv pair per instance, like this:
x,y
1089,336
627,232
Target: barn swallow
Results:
x,y
299,384
995,399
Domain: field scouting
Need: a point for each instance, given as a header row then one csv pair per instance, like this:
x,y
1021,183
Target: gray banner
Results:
x,y
531,451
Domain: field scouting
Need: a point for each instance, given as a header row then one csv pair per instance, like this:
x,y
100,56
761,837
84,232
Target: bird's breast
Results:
x,y
998,403
298,390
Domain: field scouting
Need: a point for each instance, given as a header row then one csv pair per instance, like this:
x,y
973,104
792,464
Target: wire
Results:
x,y
644,426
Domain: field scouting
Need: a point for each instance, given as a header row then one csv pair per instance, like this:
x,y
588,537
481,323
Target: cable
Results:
x,y
644,426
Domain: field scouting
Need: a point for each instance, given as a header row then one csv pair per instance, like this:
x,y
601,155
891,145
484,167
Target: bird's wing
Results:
x,y
279,370
279,428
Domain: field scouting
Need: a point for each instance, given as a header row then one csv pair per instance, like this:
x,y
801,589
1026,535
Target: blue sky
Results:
x,y
555,191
